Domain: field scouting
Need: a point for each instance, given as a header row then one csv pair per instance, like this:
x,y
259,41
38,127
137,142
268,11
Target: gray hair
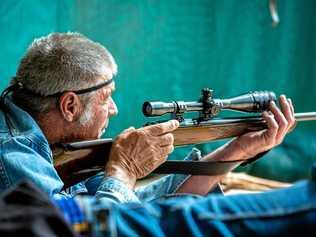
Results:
x,y
60,62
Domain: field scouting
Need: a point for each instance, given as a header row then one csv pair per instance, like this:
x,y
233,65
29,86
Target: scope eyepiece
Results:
x,y
158,108
147,109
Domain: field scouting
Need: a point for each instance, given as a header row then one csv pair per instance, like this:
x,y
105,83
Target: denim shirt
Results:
x,y
25,154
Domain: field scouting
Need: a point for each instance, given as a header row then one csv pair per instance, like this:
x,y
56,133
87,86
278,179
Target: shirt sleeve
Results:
x,y
115,191
21,159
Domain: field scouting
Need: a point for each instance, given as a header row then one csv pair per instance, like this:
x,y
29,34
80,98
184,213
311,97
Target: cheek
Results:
x,y
102,116
104,112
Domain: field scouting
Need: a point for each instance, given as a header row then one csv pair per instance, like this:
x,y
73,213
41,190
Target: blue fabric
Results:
x,y
71,210
284,212
25,153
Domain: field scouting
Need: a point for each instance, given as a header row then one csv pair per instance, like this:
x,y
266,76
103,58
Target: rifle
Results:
x,y
77,161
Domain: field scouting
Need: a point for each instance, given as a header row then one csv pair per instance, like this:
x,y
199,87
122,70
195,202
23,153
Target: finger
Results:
x,y
291,105
292,108
280,119
293,120
162,128
162,159
286,109
166,150
166,140
271,132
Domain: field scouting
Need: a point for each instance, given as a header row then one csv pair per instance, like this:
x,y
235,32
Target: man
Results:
x,y
62,93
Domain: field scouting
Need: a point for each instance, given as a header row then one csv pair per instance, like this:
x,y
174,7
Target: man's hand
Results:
x,y
279,123
137,152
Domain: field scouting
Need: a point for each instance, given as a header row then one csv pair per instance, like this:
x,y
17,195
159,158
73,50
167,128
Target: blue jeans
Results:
x,y
284,212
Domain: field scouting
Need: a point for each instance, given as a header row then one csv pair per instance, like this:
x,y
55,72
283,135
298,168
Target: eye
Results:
x,y
106,100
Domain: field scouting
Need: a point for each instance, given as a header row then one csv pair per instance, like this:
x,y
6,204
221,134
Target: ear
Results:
x,y
70,106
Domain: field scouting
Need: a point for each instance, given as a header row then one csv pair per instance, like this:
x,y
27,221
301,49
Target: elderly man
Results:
x,y
62,93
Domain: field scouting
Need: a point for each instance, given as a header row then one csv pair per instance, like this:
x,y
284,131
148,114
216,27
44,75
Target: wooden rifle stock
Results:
x,y
77,161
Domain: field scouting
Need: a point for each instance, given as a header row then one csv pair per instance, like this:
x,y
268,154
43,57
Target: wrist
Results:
x,y
229,152
121,174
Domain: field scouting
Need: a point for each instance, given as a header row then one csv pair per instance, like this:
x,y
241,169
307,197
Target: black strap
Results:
x,y
203,167
87,90
211,168
197,167
82,91
3,106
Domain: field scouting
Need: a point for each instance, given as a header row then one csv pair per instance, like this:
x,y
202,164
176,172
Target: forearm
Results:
x,y
202,185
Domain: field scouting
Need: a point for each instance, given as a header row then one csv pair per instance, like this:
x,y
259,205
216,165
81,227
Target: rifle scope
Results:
x,y
256,101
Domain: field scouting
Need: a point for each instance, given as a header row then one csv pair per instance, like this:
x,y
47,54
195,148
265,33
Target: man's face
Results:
x,y
102,108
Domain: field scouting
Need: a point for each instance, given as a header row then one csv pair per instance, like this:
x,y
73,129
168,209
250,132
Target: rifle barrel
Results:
x,y
305,116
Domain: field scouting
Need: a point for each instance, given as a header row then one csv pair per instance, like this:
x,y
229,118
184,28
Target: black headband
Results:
x,y
19,86
87,90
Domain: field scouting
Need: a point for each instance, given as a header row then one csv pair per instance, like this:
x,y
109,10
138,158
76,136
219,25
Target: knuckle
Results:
x,y
169,125
160,153
292,122
270,117
288,109
171,149
170,138
140,132
163,159
159,161
285,122
275,124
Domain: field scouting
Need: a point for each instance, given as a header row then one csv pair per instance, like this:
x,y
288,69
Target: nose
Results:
x,y
112,107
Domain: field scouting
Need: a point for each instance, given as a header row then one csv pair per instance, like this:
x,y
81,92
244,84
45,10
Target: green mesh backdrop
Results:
x,y
169,50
